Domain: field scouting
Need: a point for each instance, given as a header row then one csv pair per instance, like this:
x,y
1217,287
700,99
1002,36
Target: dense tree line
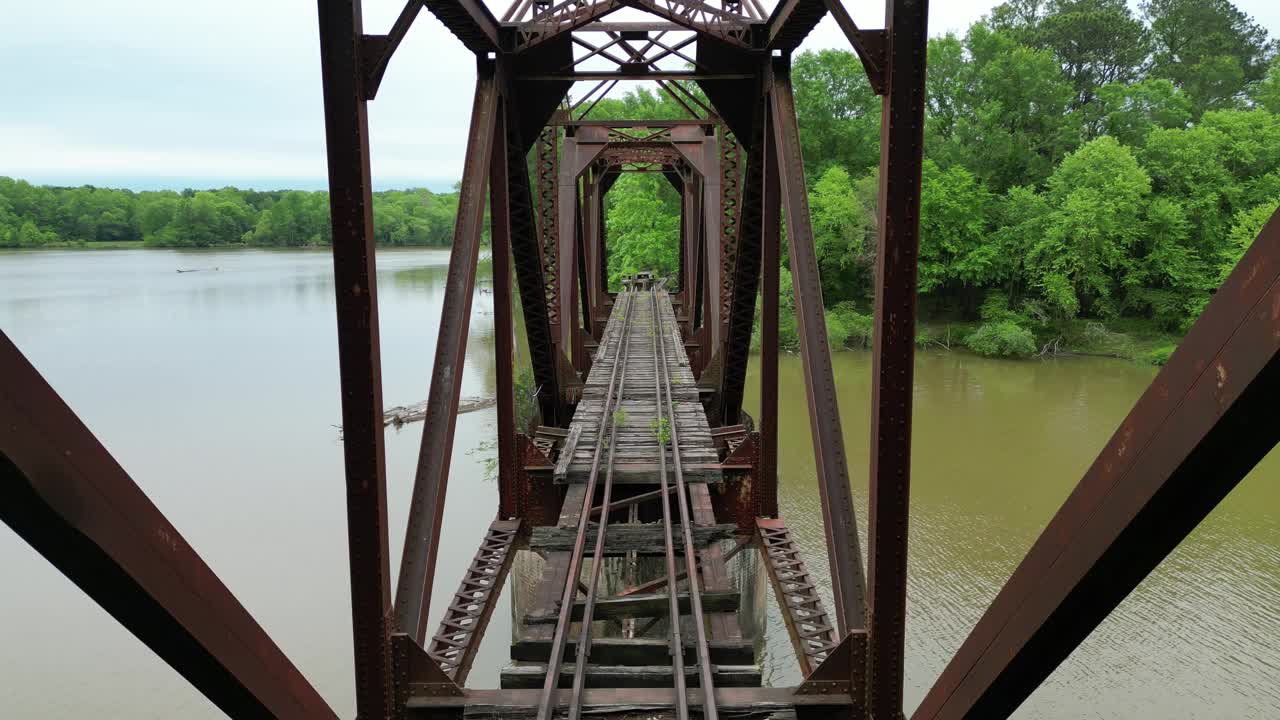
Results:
x,y
34,216
1086,165
1082,161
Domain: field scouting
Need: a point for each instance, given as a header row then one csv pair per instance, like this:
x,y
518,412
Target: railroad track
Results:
x,y
639,297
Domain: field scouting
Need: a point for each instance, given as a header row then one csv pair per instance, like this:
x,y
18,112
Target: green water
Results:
x,y
218,391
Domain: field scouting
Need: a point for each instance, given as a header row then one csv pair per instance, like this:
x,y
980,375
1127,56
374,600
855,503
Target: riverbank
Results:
x,y
1133,339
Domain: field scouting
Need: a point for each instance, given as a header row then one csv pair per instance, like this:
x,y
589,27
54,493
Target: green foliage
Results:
x,y
846,327
1096,195
954,216
844,232
1005,338
1209,48
841,113
642,224
661,430
1160,355
34,216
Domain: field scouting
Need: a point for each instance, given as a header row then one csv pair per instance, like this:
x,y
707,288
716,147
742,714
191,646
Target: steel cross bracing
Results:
x,y
1204,423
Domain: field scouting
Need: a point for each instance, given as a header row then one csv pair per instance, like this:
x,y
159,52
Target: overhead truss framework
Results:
x,y
735,162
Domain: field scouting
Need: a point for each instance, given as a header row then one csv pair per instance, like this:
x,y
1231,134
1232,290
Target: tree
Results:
x,y
954,251
1097,41
1017,127
841,112
1266,93
945,83
1245,228
643,230
1209,48
1187,166
1096,196
1128,112
844,234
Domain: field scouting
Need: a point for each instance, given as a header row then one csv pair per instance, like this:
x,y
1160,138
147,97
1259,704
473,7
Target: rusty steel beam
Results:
x,y
455,644
746,271
535,270
503,327
359,364
470,21
426,511
824,411
62,492
376,50
1202,425
769,256
893,353
870,45
791,22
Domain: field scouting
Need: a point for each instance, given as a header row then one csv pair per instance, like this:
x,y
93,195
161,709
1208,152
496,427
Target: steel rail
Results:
x,y
690,557
677,642
583,649
546,704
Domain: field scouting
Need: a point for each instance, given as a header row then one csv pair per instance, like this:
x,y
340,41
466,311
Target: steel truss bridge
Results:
x,y
641,453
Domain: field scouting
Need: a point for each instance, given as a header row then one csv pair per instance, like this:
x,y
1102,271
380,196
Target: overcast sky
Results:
x,y
152,93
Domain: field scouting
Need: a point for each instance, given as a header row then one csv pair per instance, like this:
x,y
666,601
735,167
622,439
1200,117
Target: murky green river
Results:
x,y
218,391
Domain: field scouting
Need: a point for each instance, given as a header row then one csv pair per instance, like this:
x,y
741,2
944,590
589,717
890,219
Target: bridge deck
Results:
x,y
640,378
637,434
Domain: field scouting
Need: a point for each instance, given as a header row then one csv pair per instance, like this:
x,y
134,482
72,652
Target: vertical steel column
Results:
x,y
746,271
359,365
771,263
713,218
567,254
503,329
824,411
893,356
421,540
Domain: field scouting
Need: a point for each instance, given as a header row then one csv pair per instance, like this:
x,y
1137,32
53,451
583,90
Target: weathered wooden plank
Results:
x,y
645,538
653,702
629,676
715,574
642,606
637,651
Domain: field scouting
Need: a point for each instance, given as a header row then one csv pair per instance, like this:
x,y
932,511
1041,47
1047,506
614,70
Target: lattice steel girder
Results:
x,y
426,511
893,353
812,635
62,492
824,411
470,21
359,363
535,271
455,644
1202,425
569,15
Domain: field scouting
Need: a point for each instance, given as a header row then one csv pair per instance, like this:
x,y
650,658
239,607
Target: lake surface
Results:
x,y
218,391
